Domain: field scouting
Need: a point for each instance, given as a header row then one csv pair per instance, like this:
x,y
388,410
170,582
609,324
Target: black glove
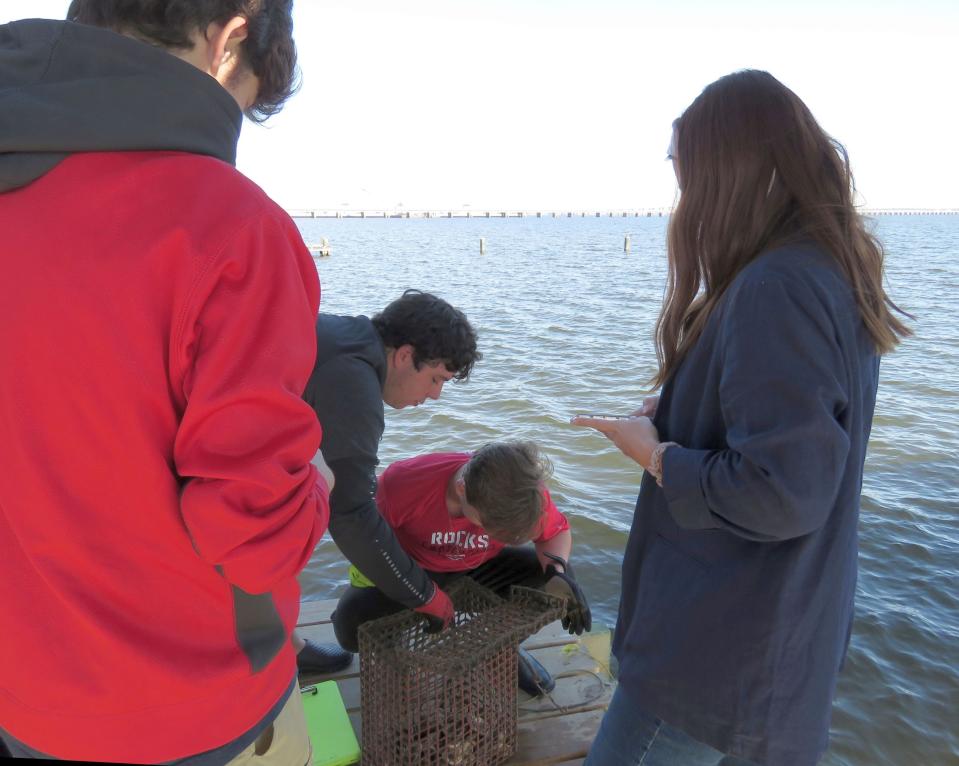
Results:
x,y
563,584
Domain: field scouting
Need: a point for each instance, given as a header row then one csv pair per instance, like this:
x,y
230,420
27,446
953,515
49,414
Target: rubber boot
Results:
x,y
534,679
321,659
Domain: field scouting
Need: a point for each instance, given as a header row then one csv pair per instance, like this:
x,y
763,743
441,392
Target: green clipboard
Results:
x,y
329,727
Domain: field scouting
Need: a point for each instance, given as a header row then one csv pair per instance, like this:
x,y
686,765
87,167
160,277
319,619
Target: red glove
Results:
x,y
438,611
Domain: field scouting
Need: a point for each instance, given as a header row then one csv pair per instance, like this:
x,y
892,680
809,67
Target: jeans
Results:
x,y
628,737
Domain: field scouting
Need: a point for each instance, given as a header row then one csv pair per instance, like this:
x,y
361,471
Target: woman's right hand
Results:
x,y
635,436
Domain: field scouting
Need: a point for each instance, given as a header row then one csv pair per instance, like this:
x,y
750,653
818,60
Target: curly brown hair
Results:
x,y
436,330
268,51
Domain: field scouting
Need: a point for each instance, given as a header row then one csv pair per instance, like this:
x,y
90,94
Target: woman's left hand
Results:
x,y
636,437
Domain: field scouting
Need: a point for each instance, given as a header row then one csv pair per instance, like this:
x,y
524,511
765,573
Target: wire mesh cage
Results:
x,y
447,699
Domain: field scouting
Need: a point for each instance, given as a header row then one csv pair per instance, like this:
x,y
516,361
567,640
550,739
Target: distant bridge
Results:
x,y
579,213
655,212
909,211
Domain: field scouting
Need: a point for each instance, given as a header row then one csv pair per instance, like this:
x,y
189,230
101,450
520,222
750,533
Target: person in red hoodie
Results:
x,y
161,484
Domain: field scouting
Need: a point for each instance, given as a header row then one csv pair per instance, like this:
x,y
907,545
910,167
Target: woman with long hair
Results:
x,y
740,568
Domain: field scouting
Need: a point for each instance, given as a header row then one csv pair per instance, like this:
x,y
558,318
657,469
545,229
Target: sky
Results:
x,y
567,104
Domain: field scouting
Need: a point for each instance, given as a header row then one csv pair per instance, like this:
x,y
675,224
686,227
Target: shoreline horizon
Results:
x,y
575,212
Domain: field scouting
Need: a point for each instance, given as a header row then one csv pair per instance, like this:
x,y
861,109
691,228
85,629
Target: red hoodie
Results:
x,y
157,333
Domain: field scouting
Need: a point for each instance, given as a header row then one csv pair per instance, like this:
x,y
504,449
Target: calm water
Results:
x,y
565,320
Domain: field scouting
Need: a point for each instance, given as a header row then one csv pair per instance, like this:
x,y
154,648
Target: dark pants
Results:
x,y
512,566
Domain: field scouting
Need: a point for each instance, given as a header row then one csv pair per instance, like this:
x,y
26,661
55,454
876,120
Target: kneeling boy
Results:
x,y
468,514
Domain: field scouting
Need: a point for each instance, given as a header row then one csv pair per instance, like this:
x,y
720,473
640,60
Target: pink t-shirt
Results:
x,y
412,498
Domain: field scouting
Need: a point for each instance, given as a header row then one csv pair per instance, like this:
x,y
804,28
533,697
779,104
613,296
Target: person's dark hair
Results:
x,y
268,51
504,482
757,171
436,331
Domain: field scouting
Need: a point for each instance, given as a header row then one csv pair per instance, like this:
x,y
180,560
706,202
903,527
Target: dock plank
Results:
x,y
555,740
316,611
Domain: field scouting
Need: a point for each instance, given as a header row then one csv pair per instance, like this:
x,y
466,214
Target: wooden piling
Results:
x,y
321,250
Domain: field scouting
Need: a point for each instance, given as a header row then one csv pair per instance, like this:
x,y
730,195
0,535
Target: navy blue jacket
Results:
x,y
739,574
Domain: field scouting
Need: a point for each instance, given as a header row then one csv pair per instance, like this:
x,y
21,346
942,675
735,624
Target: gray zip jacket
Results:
x,y
346,391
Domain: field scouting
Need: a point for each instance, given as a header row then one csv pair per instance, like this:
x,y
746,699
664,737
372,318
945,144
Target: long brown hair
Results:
x,y
756,171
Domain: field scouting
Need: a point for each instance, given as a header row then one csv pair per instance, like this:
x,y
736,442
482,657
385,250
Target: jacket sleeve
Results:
x,y
346,395
364,537
251,500
782,392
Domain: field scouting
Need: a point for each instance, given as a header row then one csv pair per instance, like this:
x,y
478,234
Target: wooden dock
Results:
x,y
553,731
